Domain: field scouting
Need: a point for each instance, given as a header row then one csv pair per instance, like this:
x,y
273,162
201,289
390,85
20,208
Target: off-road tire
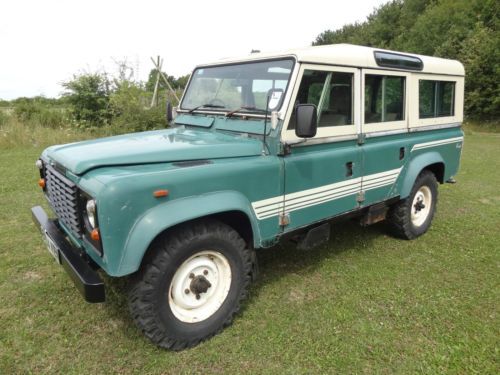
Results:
x,y
399,216
149,287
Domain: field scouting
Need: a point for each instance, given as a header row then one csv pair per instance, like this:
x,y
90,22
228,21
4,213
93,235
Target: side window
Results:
x,y
436,98
384,98
331,92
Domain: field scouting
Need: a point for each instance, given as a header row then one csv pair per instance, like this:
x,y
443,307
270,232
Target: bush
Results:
x,y
33,113
88,96
129,105
4,118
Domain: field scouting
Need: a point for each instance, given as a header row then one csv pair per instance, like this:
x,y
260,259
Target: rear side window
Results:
x,y
436,98
384,98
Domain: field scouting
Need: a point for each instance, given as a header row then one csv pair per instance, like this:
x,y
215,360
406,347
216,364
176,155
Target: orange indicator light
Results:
x,y
41,183
95,235
160,193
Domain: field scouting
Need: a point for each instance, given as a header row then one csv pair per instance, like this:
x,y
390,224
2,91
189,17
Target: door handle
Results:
x,y
348,167
401,153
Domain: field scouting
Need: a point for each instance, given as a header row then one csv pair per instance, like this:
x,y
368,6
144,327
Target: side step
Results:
x,y
314,237
375,213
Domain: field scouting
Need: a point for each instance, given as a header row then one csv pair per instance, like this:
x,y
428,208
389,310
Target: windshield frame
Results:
x,y
242,112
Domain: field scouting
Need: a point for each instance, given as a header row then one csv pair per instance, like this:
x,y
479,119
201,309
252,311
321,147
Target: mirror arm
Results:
x,y
286,146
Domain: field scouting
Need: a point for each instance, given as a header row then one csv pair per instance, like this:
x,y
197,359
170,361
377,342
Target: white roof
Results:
x,y
351,55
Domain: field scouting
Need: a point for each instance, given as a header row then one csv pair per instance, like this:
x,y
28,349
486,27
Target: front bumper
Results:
x,y
86,279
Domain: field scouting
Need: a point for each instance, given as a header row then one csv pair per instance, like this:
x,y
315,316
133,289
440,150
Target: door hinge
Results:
x,y
284,149
361,138
284,220
360,198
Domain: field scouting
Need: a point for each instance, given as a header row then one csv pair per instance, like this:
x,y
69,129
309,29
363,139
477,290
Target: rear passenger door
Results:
x,y
323,174
384,115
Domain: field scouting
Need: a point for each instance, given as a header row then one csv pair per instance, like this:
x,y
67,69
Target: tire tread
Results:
x,y
141,292
399,216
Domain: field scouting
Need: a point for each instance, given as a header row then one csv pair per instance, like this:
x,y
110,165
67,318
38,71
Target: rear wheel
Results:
x,y
191,285
412,217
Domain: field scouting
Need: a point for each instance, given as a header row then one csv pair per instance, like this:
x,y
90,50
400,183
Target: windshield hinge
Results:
x,y
361,138
285,149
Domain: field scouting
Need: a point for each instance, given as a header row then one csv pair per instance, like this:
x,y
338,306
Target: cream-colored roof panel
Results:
x,y
351,55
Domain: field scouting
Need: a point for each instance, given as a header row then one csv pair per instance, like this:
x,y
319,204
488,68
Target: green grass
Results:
x,y
364,303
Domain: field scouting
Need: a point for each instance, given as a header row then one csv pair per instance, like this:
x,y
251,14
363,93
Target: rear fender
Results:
x,y
415,166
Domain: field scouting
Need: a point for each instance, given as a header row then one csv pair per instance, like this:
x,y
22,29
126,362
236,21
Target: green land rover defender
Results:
x,y
260,149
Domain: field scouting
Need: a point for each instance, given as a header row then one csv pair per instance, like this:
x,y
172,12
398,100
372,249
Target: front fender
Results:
x,y
168,214
415,166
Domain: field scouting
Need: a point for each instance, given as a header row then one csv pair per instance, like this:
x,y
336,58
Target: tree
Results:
x,y
88,95
176,83
467,30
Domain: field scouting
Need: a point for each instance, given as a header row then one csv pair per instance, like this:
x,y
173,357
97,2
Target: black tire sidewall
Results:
x,y
425,179
175,328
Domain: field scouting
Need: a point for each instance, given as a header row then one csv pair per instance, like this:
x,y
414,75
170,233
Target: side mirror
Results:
x,y
307,120
170,115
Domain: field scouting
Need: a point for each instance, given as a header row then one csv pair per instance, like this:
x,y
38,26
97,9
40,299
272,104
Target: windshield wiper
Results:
x,y
208,105
253,109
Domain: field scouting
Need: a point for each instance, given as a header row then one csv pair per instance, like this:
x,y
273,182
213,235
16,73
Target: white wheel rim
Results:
x,y
421,206
206,265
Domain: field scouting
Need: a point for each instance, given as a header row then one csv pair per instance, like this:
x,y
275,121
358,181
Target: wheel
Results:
x,y
412,217
191,284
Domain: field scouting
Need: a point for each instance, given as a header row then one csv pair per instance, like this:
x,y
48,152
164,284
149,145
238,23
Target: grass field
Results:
x,y
363,303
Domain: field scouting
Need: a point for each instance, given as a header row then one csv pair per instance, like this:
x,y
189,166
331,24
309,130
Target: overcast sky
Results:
x,y
45,42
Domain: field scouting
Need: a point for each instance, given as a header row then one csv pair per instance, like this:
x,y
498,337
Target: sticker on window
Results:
x,y
275,99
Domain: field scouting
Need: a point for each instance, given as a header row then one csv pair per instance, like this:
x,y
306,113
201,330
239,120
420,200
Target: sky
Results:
x,y
44,43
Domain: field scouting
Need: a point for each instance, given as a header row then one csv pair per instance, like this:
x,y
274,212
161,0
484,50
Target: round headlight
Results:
x,y
90,208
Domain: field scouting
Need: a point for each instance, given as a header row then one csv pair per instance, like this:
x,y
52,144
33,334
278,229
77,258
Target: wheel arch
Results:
x,y
231,208
432,161
438,170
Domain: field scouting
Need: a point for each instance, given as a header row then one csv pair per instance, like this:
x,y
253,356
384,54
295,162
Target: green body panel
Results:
x,y
130,217
448,154
314,167
313,172
381,154
158,146
168,214
246,125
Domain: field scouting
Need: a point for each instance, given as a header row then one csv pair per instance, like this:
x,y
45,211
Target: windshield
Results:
x,y
240,86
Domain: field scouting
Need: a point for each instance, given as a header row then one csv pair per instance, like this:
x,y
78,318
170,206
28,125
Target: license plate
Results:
x,y
51,246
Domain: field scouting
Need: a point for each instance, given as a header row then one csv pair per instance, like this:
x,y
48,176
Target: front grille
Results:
x,y
63,197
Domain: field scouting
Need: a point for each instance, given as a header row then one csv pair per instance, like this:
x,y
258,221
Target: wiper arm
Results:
x,y
253,109
208,105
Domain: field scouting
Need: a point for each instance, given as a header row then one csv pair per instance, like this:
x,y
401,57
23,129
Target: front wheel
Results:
x,y
191,285
412,217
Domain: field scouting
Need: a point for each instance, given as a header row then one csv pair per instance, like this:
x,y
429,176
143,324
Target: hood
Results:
x,y
167,145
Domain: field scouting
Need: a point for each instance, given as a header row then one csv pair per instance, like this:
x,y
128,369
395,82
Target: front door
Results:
x,y
323,174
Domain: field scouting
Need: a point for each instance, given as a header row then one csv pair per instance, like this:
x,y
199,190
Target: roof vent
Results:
x,y
398,61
